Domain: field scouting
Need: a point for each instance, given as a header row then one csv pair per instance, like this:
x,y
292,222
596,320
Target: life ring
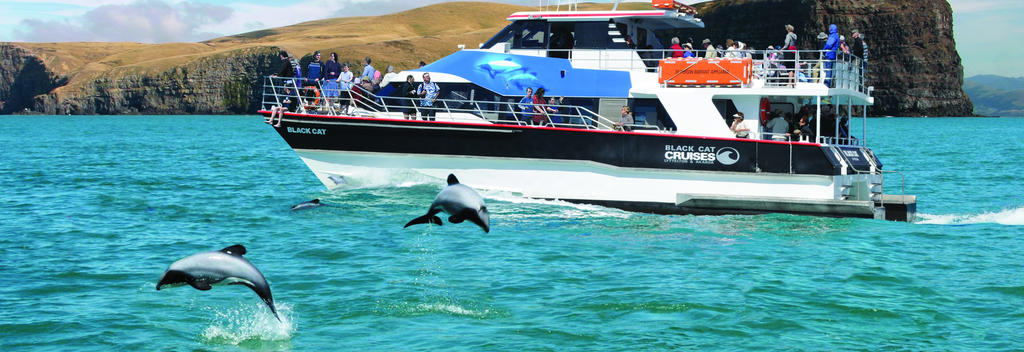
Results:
x,y
766,108
316,95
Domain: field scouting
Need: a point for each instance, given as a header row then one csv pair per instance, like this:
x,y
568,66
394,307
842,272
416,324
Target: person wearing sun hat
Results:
x,y
711,52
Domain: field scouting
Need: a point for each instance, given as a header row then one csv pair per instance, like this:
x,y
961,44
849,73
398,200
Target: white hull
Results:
x,y
577,180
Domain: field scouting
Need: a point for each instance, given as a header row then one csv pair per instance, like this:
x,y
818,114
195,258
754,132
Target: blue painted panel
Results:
x,y
510,75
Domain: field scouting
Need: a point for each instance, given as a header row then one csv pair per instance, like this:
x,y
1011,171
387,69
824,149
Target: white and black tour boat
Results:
x,y
679,154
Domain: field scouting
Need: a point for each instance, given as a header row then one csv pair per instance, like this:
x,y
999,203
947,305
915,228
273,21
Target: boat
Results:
x,y
678,155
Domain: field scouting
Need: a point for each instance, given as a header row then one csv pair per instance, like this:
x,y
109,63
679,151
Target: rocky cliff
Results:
x,y
914,65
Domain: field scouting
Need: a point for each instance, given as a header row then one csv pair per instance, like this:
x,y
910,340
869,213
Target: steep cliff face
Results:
x,y
23,76
913,66
221,84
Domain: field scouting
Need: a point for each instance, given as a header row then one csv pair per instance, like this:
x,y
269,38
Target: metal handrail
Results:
x,y
770,66
367,103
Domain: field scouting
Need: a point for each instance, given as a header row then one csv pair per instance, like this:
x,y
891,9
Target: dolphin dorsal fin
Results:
x,y
237,249
452,180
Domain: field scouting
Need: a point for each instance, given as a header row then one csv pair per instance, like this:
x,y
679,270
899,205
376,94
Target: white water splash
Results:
x,y
249,322
580,210
1014,216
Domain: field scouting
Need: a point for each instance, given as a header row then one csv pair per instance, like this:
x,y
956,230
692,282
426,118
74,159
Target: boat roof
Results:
x,y
654,19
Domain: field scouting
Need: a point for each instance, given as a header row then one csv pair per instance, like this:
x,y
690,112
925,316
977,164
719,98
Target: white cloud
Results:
x,y
148,21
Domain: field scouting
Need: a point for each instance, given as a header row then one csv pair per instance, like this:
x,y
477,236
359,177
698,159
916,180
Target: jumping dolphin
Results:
x,y
459,201
307,205
226,266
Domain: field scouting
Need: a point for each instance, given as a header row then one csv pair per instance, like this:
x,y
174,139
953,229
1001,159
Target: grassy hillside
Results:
x,y
996,95
401,39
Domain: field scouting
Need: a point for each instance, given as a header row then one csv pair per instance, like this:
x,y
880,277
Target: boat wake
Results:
x,y
250,325
1012,216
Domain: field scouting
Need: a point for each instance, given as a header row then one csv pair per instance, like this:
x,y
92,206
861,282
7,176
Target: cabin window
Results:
x,y
505,36
531,35
726,108
591,35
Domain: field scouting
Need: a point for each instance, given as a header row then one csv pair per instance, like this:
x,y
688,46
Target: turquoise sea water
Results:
x,y
94,209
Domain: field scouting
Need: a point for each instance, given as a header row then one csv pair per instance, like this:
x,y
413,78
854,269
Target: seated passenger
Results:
x,y
778,128
677,50
688,50
803,131
626,121
737,127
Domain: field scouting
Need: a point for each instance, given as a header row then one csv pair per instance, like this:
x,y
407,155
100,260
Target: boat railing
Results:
x,y
775,68
311,97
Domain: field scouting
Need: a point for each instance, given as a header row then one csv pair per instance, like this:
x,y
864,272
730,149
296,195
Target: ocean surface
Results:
x,y
95,208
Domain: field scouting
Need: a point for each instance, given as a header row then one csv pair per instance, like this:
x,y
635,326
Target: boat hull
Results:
x,y
630,170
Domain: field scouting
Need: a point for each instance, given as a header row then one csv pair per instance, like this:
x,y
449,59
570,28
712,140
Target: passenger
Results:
x,y
778,127
731,49
789,54
289,104
803,131
368,70
315,70
860,47
408,90
738,128
428,91
677,50
345,81
710,52
389,76
540,108
843,47
831,48
332,69
526,106
688,50
626,120
555,117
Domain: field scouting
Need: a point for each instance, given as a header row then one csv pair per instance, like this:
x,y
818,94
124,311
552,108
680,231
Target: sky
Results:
x,y
987,38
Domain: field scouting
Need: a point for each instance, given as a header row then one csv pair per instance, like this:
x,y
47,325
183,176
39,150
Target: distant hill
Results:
x,y
996,95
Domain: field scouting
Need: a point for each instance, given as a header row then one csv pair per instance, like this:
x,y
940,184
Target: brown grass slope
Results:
x,y
401,39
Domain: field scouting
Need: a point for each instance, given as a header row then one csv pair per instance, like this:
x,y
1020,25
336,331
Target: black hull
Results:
x,y
620,149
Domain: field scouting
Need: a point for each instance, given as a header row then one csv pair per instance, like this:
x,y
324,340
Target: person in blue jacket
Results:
x,y
526,105
831,48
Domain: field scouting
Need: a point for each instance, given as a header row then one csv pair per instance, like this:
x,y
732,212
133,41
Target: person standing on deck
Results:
x,y
315,69
831,49
526,106
408,90
368,71
860,47
429,91
345,83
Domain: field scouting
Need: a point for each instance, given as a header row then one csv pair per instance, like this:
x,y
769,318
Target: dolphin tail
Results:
x,y
428,218
264,292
